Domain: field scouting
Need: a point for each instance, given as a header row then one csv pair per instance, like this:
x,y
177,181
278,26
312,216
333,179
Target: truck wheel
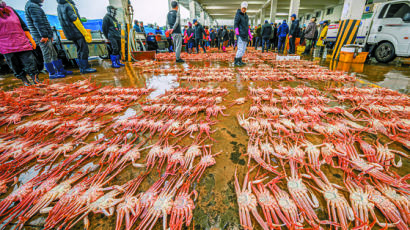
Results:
x,y
385,52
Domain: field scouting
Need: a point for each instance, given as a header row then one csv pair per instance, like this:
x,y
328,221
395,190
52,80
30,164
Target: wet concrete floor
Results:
x,y
216,207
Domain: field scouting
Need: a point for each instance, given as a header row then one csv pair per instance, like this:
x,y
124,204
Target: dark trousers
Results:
x,y
199,42
82,49
170,45
282,44
257,42
292,45
115,46
22,63
265,43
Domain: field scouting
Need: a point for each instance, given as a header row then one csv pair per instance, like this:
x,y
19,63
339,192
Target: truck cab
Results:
x,y
386,34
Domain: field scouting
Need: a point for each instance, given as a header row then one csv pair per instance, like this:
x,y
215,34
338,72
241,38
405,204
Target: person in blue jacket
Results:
x,y
282,33
158,31
137,26
42,33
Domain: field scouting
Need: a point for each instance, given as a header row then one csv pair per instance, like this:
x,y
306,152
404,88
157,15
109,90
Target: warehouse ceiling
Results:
x,y
226,9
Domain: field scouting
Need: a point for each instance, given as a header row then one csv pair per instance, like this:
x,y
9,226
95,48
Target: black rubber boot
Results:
x,y
241,62
236,63
25,81
35,79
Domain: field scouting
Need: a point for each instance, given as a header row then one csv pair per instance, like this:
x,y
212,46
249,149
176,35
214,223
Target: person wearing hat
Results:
x,y
309,35
266,34
293,33
42,33
323,35
199,35
74,31
112,31
242,31
137,26
282,33
174,25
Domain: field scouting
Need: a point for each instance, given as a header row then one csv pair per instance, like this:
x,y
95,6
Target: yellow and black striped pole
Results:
x,y
346,35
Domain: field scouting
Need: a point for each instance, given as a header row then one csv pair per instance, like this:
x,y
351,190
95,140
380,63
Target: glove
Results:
x,y
250,34
237,31
30,38
82,30
44,40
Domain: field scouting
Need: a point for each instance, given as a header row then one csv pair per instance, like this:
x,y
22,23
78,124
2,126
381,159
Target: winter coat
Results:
x,y
137,28
199,31
12,36
225,35
322,37
67,14
219,34
294,28
232,35
213,35
174,21
111,28
266,31
37,21
241,22
190,33
310,31
283,30
258,31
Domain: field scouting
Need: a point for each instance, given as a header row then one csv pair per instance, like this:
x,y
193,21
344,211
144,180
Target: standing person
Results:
x,y
42,33
190,37
242,31
174,24
266,34
275,37
282,33
158,31
219,35
74,31
213,38
199,33
272,38
309,35
293,33
142,27
16,44
258,39
112,31
322,37
225,38
137,26
231,38
206,37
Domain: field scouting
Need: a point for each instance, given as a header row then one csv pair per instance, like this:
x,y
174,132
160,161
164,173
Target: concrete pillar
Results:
x,y
202,17
192,13
353,9
294,8
262,16
273,10
169,5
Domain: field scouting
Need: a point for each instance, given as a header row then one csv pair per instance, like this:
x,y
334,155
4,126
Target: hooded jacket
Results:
x,y
241,22
111,28
12,36
310,31
225,35
283,30
67,14
37,21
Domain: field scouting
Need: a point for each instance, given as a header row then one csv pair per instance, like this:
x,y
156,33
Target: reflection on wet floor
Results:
x,y
216,206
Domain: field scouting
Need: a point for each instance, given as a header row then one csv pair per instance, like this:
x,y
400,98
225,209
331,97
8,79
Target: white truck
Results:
x,y
385,33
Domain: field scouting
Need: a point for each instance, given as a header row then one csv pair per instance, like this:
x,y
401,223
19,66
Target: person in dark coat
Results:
x,y
213,38
17,44
220,38
112,31
266,34
74,31
225,38
275,36
293,33
191,37
310,35
174,27
199,33
242,31
231,38
42,33
258,36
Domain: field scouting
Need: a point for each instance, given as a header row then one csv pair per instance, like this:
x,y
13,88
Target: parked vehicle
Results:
x,y
386,34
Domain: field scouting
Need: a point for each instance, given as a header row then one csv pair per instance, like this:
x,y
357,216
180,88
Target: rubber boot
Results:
x,y
84,67
236,63
241,62
118,61
25,81
58,65
52,71
114,61
35,79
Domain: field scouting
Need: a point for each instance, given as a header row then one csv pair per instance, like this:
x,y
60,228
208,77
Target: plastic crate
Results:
x,y
346,57
360,58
